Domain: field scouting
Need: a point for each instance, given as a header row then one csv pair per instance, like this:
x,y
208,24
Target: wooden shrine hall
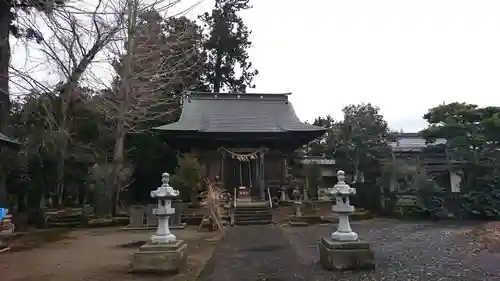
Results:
x,y
243,139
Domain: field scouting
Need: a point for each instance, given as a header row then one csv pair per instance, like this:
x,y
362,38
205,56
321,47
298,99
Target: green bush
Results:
x,y
483,200
187,178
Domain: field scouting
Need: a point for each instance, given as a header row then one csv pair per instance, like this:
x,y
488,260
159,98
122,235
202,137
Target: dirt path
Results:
x,y
95,255
253,253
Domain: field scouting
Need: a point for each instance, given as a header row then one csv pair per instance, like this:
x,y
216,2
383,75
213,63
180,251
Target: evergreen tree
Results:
x,y
227,43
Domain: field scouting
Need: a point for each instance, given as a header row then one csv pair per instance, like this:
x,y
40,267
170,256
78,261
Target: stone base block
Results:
x,y
352,255
160,258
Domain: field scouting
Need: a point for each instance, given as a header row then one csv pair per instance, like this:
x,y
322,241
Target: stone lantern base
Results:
x,y
160,258
345,255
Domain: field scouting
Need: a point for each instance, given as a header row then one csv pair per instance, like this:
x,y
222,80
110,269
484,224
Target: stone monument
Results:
x,y
136,217
343,250
175,221
163,252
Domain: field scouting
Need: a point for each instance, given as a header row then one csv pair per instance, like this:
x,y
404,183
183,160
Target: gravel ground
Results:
x,y
404,251
255,253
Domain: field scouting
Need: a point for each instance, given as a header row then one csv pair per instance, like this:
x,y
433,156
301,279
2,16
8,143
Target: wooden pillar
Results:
x,y
256,175
222,160
262,176
282,172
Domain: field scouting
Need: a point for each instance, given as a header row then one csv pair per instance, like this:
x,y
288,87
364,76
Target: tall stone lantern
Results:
x,y
342,207
296,197
163,252
164,194
342,249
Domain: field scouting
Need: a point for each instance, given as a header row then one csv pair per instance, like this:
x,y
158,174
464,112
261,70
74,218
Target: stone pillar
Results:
x,y
343,250
163,253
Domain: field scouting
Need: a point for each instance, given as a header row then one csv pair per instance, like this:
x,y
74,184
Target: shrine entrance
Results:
x,y
242,170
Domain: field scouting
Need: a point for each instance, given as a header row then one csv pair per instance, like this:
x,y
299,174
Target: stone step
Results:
x,y
252,207
252,214
248,217
254,222
244,212
253,204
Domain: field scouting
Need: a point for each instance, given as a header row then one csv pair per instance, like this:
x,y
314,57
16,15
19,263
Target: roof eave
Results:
x,y
5,140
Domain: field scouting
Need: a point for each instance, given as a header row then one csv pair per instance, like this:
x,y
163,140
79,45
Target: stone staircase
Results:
x,y
253,213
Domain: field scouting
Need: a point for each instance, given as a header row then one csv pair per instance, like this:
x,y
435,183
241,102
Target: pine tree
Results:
x,y
227,43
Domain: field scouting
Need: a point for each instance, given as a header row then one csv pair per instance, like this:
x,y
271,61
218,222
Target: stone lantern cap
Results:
x,y
165,191
341,188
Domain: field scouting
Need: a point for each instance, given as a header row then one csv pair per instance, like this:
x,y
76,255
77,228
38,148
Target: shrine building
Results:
x,y
243,139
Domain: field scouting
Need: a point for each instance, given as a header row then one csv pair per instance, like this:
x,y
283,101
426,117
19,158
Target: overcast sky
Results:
x,y
403,55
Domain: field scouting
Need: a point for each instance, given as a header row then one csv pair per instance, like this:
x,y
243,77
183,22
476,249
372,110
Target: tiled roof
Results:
x,y
237,112
412,142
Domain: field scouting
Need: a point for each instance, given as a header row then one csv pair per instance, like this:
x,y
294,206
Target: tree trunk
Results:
x,y
218,72
3,203
5,18
3,190
60,178
62,140
117,167
120,120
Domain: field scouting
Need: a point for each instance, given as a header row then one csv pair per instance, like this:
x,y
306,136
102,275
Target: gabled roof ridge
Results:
x,y
237,96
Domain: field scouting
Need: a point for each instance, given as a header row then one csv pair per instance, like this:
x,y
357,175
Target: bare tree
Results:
x,y
72,41
161,60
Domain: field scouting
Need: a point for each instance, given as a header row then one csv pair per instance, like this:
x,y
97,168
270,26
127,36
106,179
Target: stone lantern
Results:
x,y
283,193
296,197
164,194
296,193
341,192
163,253
343,250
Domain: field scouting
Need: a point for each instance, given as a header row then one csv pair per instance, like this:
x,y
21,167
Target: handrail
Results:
x,y
234,198
269,195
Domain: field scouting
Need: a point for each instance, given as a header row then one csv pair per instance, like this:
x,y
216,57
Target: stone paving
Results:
x,y
253,253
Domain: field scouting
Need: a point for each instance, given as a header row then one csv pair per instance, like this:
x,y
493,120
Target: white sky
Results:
x,y
404,56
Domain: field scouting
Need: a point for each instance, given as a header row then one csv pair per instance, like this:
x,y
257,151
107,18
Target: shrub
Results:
x,y
187,178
